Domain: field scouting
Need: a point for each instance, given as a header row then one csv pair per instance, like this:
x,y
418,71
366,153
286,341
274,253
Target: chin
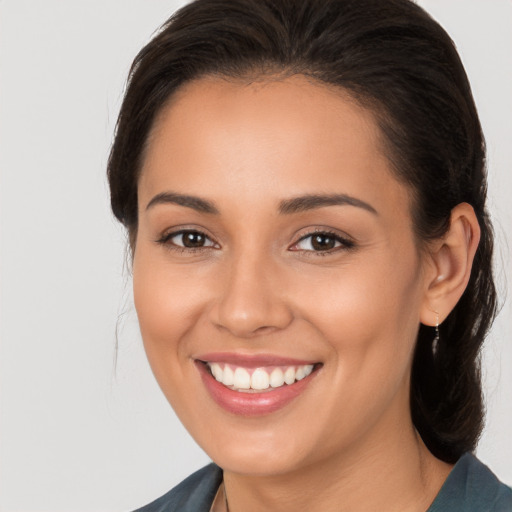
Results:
x,y
261,462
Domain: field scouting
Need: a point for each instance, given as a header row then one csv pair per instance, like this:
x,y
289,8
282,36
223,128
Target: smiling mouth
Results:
x,y
260,379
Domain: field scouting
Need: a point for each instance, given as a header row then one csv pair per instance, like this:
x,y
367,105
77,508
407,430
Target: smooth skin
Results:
x,y
256,283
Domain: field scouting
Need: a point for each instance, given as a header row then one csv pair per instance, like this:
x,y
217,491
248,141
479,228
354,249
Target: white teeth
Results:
x,y
300,373
241,379
217,371
289,375
261,379
307,369
277,378
229,376
303,371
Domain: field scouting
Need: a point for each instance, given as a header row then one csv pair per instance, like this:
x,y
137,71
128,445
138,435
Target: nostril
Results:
x,y
246,331
265,330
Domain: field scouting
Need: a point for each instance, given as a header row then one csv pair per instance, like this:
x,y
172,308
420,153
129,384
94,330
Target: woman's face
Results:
x,y
274,241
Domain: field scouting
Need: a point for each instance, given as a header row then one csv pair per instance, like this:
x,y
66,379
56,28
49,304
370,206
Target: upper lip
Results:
x,y
251,360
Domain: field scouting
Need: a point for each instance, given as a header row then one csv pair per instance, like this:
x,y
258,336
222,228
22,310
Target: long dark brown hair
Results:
x,y
395,60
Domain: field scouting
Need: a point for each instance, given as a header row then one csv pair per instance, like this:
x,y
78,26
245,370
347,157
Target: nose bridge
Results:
x,y
250,301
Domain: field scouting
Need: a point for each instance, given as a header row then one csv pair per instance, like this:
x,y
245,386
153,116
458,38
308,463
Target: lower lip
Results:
x,y
252,404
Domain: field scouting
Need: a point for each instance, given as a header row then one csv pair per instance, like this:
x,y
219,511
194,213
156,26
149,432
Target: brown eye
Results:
x,y
188,239
322,242
193,239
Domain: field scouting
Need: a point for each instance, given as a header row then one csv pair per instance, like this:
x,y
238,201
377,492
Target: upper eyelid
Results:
x,y
172,234
174,231
165,240
321,232
326,231
346,243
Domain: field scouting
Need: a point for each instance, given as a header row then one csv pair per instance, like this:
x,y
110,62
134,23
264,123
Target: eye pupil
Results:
x,y
323,242
193,239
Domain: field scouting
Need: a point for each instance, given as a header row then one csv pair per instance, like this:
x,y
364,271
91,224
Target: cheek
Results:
x,y
168,303
370,314
369,320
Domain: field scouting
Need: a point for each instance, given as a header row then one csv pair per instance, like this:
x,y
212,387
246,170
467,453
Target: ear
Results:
x,y
451,258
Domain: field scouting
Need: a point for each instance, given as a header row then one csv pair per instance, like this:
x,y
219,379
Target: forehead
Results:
x,y
287,109
241,139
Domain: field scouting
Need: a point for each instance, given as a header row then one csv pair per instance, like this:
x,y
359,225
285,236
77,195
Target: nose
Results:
x,y
251,301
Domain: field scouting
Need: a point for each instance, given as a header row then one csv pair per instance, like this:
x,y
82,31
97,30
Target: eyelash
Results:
x,y
344,243
165,240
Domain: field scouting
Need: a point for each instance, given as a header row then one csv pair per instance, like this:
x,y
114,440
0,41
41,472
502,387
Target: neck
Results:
x,y
385,474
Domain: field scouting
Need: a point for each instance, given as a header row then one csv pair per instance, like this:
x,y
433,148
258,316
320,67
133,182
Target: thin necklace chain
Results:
x,y
220,503
226,506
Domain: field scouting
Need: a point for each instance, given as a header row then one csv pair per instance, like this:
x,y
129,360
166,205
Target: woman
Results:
x,y
303,185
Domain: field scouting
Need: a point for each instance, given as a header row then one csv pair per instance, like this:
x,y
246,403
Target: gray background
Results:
x,y
77,435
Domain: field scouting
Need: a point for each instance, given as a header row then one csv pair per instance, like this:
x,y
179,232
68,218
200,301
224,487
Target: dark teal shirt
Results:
x,y
470,487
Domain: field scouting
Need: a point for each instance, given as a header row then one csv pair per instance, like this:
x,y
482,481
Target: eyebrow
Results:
x,y
286,207
311,202
196,203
